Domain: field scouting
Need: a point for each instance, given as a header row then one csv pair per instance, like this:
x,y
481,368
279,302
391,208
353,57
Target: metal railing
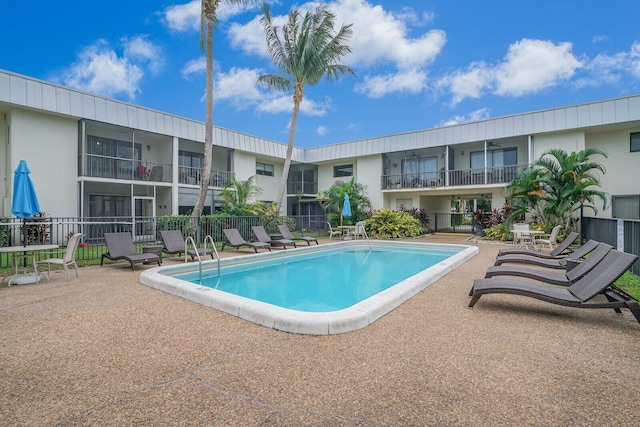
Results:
x,y
191,175
623,234
118,168
457,177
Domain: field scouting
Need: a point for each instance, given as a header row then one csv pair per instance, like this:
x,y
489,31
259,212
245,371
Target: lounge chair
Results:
x,y
580,294
120,246
174,243
67,260
262,236
235,240
544,275
286,233
560,263
557,252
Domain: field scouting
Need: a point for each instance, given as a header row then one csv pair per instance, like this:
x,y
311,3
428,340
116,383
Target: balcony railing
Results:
x,y
118,168
191,175
457,177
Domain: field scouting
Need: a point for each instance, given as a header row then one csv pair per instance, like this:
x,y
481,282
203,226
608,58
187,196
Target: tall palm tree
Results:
x,y
308,52
207,24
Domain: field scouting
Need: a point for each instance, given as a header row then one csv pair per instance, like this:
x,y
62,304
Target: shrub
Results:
x,y
388,224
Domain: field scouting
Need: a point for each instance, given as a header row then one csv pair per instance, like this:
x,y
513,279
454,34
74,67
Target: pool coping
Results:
x,y
349,319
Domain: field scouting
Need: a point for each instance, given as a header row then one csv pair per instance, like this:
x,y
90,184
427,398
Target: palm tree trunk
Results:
x,y
298,94
205,174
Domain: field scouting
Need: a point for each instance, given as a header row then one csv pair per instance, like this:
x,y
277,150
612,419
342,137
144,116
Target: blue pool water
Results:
x,y
324,281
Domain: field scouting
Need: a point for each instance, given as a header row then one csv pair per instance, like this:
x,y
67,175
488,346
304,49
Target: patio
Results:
x,y
105,350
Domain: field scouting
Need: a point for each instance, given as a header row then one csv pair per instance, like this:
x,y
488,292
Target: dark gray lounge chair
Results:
x,y
174,243
599,281
559,251
236,240
120,246
262,236
559,263
583,266
286,233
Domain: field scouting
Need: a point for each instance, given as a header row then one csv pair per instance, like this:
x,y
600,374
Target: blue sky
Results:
x,y
419,64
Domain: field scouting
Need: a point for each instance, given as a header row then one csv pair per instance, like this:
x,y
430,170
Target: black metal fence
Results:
x,y
619,233
144,230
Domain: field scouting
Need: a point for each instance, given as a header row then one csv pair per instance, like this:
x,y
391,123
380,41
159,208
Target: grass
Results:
x,y
630,283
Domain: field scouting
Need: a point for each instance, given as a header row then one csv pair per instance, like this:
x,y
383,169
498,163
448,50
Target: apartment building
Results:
x,y
93,156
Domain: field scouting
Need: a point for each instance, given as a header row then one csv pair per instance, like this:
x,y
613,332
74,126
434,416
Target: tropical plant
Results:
x,y
238,198
308,52
332,200
207,24
421,214
388,224
551,189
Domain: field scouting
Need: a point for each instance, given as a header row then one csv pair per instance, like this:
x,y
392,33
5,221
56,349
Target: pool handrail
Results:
x,y
213,245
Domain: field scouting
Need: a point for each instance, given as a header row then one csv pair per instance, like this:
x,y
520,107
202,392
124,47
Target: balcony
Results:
x,y
457,177
96,166
191,176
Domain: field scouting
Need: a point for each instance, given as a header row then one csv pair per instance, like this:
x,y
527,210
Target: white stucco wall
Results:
x,y
619,158
49,144
567,141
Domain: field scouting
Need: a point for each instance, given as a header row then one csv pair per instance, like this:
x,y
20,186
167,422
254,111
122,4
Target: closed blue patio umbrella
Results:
x,y
346,208
25,201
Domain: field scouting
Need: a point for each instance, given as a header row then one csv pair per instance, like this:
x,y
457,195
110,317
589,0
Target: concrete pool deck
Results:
x,y
106,350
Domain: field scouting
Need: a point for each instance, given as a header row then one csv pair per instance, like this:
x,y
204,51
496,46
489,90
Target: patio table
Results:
x,y
20,276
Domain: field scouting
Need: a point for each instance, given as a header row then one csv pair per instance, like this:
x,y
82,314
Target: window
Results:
x,y
264,169
189,159
625,207
506,157
342,170
634,142
403,204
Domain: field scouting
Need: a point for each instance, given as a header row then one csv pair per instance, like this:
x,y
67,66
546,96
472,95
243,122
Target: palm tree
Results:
x,y
309,52
207,24
332,200
565,178
238,196
551,189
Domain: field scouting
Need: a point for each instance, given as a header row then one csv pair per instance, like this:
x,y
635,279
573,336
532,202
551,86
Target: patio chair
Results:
x,y
558,251
582,267
552,240
174,243
333,232
359,231
286,233
599,281
67,260
235,240
120,246
262,236
546,262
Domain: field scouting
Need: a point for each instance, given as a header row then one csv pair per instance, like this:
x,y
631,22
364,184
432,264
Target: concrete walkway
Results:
x,y
103,350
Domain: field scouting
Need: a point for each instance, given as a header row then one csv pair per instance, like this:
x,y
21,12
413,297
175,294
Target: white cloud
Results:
x,y
99,70
186,17
410,81
238,86
379,39
529,66
322,130
195,66
481,114
139,48
533,65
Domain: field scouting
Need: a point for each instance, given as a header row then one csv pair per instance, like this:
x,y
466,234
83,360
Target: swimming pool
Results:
x,y
262,300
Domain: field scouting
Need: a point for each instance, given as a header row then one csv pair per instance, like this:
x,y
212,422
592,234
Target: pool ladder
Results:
x,y
195,248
